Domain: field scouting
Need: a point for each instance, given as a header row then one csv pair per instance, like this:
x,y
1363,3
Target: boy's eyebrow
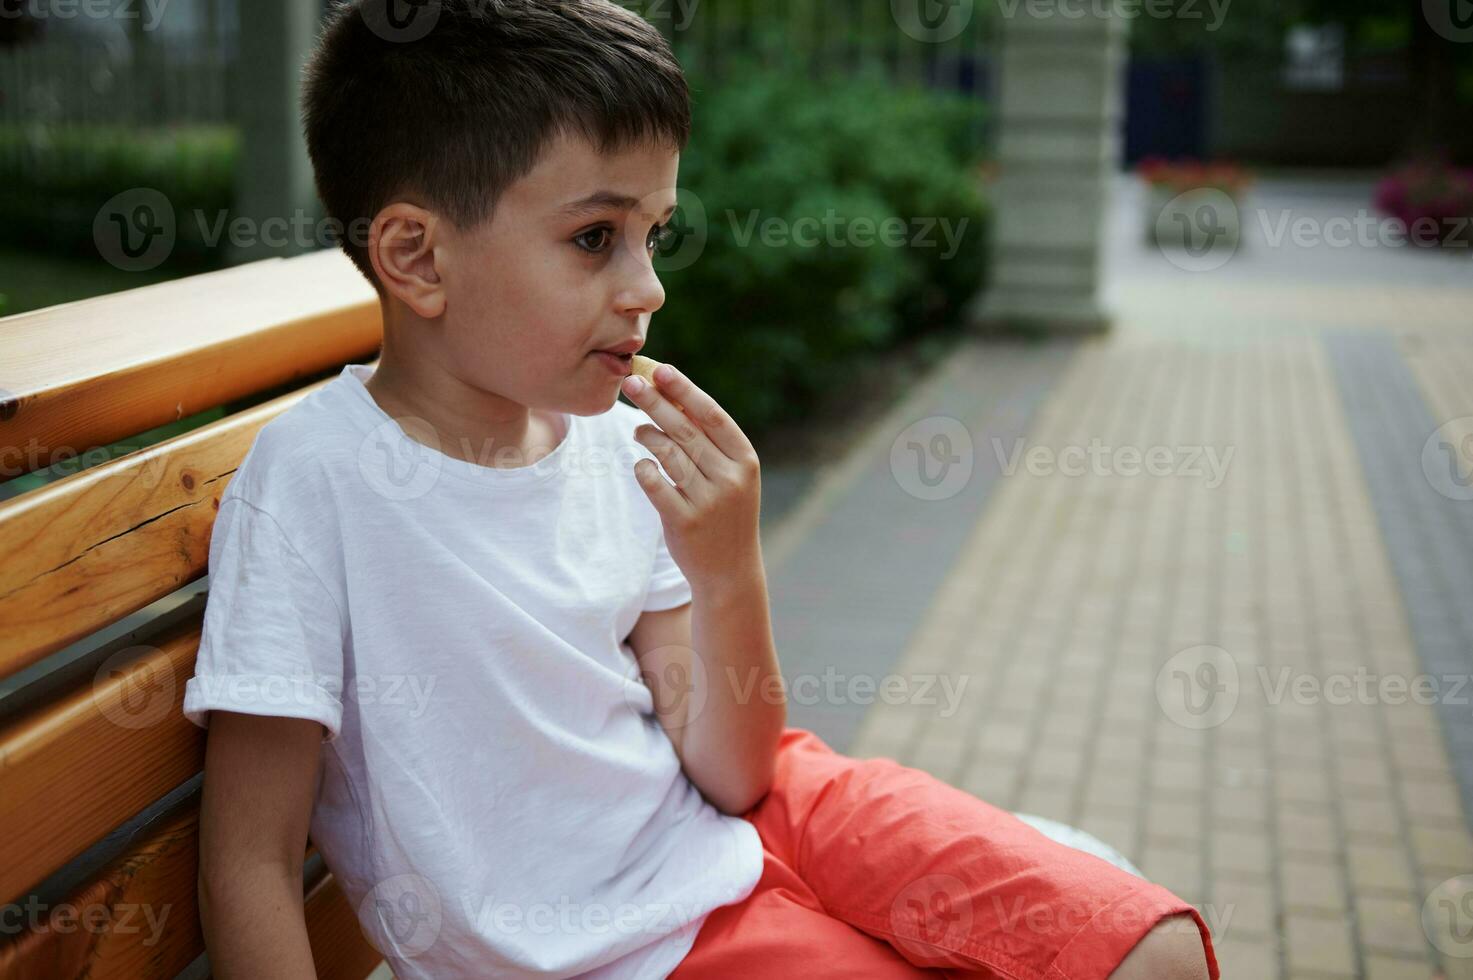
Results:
x,y
602,201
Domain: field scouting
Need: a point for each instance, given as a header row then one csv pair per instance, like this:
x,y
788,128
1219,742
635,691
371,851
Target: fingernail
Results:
x,y
664,373
634,384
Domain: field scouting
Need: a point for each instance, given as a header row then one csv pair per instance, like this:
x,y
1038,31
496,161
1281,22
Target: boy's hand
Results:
x,y
711,514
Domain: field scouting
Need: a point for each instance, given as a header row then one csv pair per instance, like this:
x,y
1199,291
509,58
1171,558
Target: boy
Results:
x,y
523,694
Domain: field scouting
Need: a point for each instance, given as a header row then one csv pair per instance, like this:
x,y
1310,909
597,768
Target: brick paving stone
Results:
x,y
1313,886
1319,943
1118,829
1240,853
1239,806
1456,969
1439,848
1305,829
1431,801
1247,907
1396,968
1372,819
1391,924
1379,868
1247,956
993,779
1069,594
1178,868
1050,801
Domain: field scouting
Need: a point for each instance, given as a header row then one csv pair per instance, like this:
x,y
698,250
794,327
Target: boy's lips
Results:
x,y
630,346
617,363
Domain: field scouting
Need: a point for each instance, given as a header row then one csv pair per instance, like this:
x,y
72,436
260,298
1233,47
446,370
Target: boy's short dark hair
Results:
x,y
456,102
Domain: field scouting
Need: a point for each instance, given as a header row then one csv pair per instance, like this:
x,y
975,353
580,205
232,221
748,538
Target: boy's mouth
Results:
x,y
619,363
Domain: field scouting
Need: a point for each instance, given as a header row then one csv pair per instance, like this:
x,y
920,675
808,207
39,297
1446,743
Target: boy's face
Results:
x,y
534,291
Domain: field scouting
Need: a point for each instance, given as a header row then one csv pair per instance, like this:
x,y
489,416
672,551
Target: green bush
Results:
x,y
764,325
54,180
768,323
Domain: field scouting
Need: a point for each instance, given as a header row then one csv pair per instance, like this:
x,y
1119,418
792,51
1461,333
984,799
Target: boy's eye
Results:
x,y
660,235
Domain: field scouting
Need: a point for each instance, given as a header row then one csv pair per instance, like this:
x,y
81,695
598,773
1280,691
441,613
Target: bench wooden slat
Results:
x,y
95,756
139,919
85,763
90,373
339,948
107,541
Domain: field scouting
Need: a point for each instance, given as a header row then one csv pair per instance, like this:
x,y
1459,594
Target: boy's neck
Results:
x,y
473,425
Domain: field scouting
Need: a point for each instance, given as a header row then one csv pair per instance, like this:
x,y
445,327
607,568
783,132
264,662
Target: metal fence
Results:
x,y
125,66
125,69
105,79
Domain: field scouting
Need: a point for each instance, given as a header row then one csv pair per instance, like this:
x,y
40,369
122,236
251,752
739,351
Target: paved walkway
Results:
x,y
1194,586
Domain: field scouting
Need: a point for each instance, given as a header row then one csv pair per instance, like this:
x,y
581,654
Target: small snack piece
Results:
x,y
644,367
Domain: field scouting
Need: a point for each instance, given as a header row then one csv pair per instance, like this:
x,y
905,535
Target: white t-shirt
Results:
x,y
497,798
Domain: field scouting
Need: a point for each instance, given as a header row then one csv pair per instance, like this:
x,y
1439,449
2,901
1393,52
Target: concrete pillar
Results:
x,y
1060,106
273,188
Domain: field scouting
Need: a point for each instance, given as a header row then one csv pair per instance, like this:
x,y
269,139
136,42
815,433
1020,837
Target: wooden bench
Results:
x,y
99,770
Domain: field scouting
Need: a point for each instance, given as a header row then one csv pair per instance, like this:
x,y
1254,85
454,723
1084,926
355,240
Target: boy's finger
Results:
x,y
705,411
681,467
680,428
664,496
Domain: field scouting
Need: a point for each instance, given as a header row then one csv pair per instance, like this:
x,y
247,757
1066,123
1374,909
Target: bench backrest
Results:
x,y
99,770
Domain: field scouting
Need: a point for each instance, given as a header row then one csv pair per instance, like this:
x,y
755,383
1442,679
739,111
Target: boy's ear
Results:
x,y
401,245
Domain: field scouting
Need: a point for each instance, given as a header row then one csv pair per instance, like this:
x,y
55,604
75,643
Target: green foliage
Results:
x,y
766,320
765,323
54,180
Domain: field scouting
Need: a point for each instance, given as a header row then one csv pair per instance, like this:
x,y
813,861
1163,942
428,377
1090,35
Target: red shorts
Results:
x,y
877,870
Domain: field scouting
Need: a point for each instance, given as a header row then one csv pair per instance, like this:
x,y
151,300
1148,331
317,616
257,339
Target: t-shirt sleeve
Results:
x,y
668,585
272,641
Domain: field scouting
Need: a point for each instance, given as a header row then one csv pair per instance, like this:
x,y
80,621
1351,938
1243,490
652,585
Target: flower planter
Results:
x,y
1197,219
1191,210
1431,201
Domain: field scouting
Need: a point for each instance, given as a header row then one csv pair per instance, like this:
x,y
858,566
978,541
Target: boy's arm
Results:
x,y
725,706
709,513
259,785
